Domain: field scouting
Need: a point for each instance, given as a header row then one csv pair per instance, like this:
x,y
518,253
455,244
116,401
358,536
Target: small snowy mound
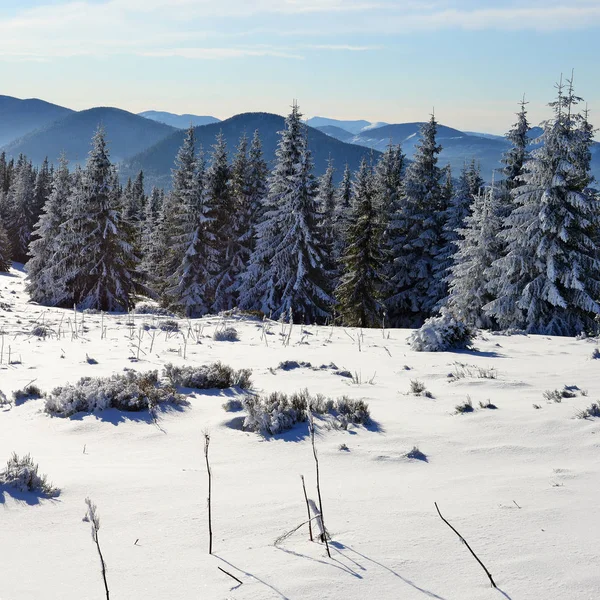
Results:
x,y
440,334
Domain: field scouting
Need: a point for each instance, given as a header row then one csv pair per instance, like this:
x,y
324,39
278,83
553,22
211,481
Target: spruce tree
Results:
x,y
222,227
415,236
20,206
43,281
326,203
99,266
5,250
478,246
551,272
288,261
341,215
359,294
190,284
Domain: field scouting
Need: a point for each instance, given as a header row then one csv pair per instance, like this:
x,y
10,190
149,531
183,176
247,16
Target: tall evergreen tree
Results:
x,y
99,265
5,250
359,296
41,191
551,272
478,247
190,291
341,215
326,203
415,236
288,261
43,280
221,215
21,207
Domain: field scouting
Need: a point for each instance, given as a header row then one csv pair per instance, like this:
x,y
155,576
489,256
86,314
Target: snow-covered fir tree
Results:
x,y
5,249
551,272
415,236
326,203
222,227
478,247
343,205
99,266
43,280
515,158
190,284
288,261
359,294
41,191
468,187
20,206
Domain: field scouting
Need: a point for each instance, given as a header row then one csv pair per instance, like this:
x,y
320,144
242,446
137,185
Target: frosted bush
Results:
x,y
279,412
592,411
169,325
226,334
21,473
130,391
206,377
152,309
30,392
440,334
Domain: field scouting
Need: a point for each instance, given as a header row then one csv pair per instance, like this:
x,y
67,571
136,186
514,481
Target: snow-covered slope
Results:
x,y
520,484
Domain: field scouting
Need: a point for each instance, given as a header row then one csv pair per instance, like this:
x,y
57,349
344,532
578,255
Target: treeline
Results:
x,y
393,243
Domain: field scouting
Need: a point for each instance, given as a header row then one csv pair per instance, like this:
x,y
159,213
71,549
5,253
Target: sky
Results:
x,y
381,60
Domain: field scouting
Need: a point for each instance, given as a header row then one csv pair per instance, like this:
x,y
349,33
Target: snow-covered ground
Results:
x,y
520,484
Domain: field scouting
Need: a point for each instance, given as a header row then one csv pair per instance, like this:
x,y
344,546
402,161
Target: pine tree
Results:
x,y
20,203
98,268
222,227
415,236
288,261
43,281
341,216
514,160
359,292
41,192
190,291
478,247
551,272
326,203
5,250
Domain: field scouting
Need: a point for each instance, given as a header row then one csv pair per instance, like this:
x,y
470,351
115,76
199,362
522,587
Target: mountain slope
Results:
x,y
157,161
19,117
178,121
127,134
355,127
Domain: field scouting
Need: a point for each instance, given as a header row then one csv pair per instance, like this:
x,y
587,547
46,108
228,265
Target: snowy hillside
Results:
x,y
519,482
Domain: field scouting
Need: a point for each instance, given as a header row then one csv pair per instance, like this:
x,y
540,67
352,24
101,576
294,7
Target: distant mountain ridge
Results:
x,y
18,117
157,161
127,134
178,121
354,127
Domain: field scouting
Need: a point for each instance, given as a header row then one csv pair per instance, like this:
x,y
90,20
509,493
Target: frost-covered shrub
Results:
x,y
416,454
21,473
278,412
465,407
233,405
591,411
289,365
207,377
596,353
441,334
152,309
226,334
169,325
30,392
40,331
130,391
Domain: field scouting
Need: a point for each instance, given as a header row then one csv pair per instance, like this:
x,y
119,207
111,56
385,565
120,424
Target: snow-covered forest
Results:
x,y
394,244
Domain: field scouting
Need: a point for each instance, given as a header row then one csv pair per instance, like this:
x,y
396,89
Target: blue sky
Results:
x,y
382,60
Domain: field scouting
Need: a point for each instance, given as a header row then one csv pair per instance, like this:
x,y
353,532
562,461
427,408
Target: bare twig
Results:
x,y
307,509
230,575
94,519
210,535
462,539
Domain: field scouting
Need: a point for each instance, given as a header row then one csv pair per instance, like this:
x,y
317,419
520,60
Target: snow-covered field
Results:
x,y
521,484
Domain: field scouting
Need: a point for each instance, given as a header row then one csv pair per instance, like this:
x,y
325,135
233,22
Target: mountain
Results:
x,y
355,127
157,161
178,121
337,132
127,134
19,117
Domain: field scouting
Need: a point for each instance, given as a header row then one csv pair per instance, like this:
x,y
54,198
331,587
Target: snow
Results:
x,y
521,485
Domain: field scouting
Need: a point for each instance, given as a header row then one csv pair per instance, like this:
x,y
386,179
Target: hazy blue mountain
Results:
x,y
19,117
157,161
178,121
127,134
350,126
337,132
458,146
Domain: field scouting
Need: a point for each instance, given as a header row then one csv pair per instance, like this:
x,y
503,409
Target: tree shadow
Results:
x,y
28,498
340,547
255,577
480,353
341,566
